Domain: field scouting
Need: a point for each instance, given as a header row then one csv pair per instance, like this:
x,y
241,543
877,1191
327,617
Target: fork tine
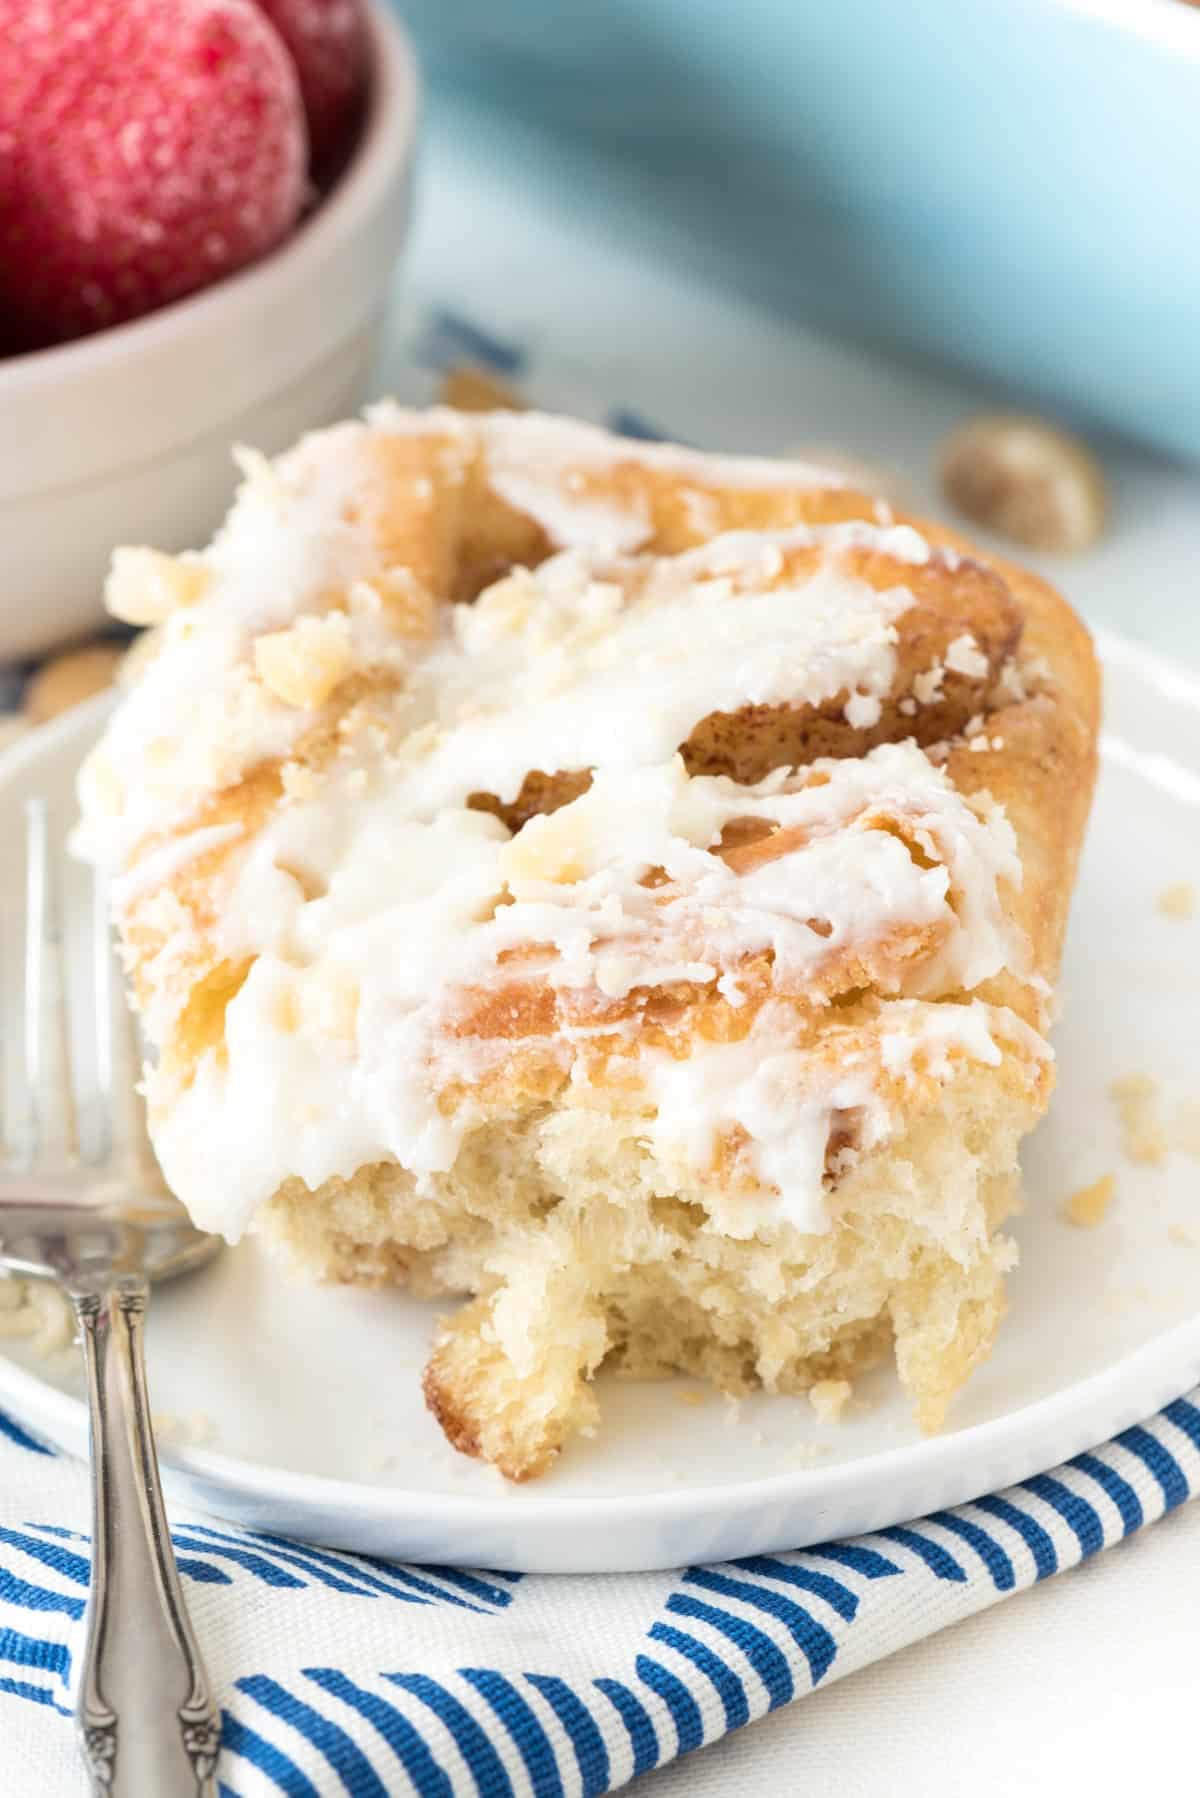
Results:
x,y
48,1078
119,1051
35,946
102,1015
16,1114
9,1127
149,1170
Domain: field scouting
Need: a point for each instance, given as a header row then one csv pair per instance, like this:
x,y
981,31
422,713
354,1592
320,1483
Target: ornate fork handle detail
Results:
x,y
145,1711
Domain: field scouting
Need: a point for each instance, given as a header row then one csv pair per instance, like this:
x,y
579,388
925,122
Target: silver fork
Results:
x,y
95,1217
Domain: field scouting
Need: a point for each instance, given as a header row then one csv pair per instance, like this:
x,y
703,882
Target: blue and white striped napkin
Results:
x,y
344,1674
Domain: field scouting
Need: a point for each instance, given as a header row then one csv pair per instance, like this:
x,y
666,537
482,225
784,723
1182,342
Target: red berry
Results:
x,y
328,42
147,147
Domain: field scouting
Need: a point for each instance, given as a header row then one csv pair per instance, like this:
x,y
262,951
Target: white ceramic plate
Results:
x,y
320,1430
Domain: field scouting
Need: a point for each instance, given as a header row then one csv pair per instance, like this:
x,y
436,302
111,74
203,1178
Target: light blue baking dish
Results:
x,y
1012,185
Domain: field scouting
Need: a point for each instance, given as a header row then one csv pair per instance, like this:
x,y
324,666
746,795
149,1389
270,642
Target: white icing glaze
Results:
x,y
918,1033
153,869
543,449
375,904
590,661
406,921
199,717
787,1104
777,1096
964,656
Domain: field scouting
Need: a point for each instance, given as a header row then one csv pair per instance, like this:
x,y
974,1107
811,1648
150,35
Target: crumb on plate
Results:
x,y
1178,901
36,1311
1089,1206
197,1430
1143,1136
829,1398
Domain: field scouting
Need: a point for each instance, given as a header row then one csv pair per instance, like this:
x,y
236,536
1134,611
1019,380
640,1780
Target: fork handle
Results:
x,y
144,1710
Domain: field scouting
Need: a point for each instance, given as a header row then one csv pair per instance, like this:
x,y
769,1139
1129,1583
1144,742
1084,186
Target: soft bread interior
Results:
x,y
584,1249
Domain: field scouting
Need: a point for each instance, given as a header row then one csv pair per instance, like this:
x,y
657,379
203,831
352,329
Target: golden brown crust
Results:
x,y
948,602
1044,771
428,508
518,1426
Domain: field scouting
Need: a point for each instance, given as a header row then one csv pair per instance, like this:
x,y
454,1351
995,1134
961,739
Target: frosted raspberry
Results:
x,y
147,147
328,42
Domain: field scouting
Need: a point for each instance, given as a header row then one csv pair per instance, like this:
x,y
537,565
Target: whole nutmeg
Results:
x,y
1024,478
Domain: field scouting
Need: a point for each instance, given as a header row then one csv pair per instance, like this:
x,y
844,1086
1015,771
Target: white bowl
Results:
x,y
126,436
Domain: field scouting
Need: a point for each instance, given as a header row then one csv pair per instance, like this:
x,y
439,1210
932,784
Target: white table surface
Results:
x,y
1085,1684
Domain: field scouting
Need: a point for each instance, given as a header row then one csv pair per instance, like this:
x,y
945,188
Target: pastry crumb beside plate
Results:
x,y
1088,1205
829,1398
1143,1132
1178,900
